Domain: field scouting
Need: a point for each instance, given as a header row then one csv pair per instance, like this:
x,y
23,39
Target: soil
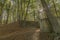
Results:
x,y
13,31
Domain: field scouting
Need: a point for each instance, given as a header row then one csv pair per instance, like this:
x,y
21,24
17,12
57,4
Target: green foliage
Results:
x,y
19,9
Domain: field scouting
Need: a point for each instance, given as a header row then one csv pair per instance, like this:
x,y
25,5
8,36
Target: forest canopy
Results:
x,y
29,10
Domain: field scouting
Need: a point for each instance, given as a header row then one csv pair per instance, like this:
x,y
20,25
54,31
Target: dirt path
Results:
x,y
17,33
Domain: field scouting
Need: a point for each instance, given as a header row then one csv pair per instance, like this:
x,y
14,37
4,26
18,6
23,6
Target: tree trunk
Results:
x,y
51,18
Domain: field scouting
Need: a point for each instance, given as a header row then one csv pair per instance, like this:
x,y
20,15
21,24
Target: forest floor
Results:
x,y
15,32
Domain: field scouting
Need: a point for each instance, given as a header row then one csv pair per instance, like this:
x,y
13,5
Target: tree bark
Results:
x,y
51,18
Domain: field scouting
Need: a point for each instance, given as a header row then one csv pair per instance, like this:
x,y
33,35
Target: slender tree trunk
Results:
x,y
27,10
26,14
18,13
21,10
8,11
55,7
7,17
34,15
1,9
